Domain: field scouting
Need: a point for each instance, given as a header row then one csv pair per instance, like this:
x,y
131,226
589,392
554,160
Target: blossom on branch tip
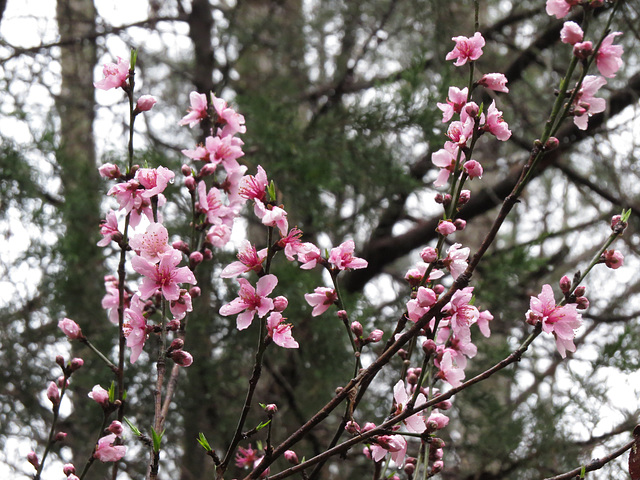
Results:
x,y
559,8
145,103
115,75
99,395
561,321
466,49
70,328
494,81
571,33
321,300
197,110
251,300
272,216
341,257
456,99
495,124
585,104
608,58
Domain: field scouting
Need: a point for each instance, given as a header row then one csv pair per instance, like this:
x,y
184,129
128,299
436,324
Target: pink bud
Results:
x,y
195,292
368,426
62,381
437,467
110,171
70,328
53,394
533,318
356,328
375,336
68,469
195,259
583,50
444,405
182,246
613,259
580,291
342,315
145,103
352,427
280,303
429,254
471,109
207,254
494,81
60,360
583,303
60,437
438,289
186,170
100,396
571,33
460,224
33,459
208,169
465,196
445,227
182,358
409,469
412,378
551,144
429,347
177,344
291,457
565,284
190,183
473,169
75,364
116,428
435,454
271,408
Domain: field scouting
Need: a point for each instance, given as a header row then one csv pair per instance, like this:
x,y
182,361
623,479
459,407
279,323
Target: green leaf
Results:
x,y
202,440
583,471
271,190
625,215
156,439
262,425
112,392
133,58
133,428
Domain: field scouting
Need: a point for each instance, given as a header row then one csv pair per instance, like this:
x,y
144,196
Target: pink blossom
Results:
x,y
561,321
111,300
342,257
155,180
466,49
495,123
375,336
460,132
106,451
135,327
321,300
473,169
164,276
445,158
494,81
129,197
414,423
448,371
254,188
225,150
454,103
145,103
291,243
394,444
585,104
233,122
70,328
181,306
251,300
248,259
445,227
456,260
99,395
483,322
219,235
613,259
210,203
53,394
559,8
152,244
608,58
109,229
272,216
429,254
463,315
417,307
308,255
115,75
437,421
110,171
280,331
571,33
197,111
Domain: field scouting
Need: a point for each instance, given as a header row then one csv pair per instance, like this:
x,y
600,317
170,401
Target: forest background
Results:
x,y
340,105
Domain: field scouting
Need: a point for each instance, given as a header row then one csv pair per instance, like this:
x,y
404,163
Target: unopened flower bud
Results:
x,y
60,360
75,364
409,468
195,292
445,227
182,358
583,50
533,318
473,169
437,467
33,459
116,428
438,289
551,144
439,198
60,437
615,220
62,381
280,303
110,171
70,328
356,328
99,395
583,303
435,454
352,427
342,315
176,344
465,196
565,284
182,246
429,347
291,457
195,259
460,224
402,353
190,183
444,405
412,379
271,408
580,291
368,426
68,469
429,254
53,394
145,103
471,109
207,254
208,169
613,259
375,336
186,170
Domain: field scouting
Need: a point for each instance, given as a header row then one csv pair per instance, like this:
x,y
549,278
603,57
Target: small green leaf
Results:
x,y
133,428
202,440
156,439
124,395
133,59
271,190
262,425
480,109
583,471
112,392
625,215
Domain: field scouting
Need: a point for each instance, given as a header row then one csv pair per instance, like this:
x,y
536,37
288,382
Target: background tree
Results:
x,y
339,99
